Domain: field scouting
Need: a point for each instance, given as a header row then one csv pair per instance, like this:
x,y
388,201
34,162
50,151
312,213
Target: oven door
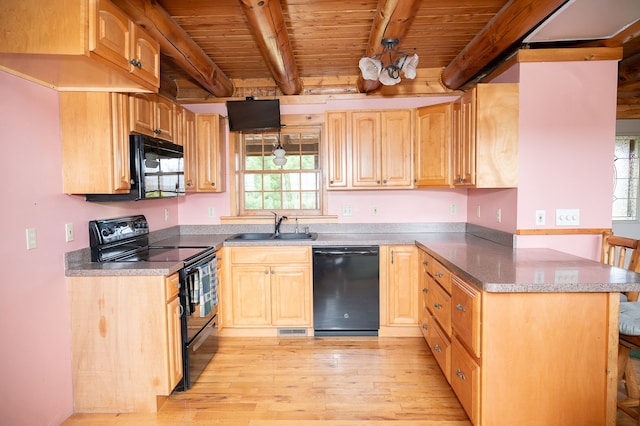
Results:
x,y
198,296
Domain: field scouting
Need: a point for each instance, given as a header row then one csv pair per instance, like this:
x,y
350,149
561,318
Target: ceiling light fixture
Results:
x,y
374,68
279,158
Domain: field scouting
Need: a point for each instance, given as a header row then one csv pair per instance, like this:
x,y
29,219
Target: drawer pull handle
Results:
x,y
437,348
425,326
266,272
460,374
438,275
425,263
437,306
460,307
425,290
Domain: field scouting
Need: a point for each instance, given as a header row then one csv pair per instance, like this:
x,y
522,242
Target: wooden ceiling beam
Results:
x,y
507,27
393,19
266,23
176,44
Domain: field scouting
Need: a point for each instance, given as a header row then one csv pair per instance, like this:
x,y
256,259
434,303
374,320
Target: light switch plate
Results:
x,y
68,232
32,240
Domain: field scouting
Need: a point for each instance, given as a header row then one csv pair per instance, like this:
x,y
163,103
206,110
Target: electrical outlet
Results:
x,y
453,209
32,239
347,211
166,215
212,212
499,215
566,276
68,231
567,217
374,211
478,212
541,217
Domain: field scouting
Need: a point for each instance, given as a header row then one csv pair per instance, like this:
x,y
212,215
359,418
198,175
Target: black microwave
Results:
x,y
157,171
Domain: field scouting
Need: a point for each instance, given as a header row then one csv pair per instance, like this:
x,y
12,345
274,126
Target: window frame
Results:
x,y
300,125
635,135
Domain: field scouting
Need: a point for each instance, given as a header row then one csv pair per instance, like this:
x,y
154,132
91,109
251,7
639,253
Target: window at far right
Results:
x,y
625,179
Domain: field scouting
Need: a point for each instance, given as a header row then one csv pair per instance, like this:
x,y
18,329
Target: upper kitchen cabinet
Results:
x,y
73,45
152,115
210,153
95,155
369,149
190,153
485,137
433,146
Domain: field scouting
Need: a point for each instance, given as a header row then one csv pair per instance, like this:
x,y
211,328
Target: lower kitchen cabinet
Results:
x,y
522,358
268,287
126,342
398,288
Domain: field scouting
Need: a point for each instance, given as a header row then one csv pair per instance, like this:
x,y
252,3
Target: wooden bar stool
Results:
x,y
623,252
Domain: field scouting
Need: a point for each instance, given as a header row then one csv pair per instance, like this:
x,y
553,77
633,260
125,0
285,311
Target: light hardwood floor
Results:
x,y
305,381
350,381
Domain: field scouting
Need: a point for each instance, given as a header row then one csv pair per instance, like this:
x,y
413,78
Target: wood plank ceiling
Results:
x,y
214,50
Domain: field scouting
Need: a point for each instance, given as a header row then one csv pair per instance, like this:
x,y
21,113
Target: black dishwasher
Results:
x,y
346,291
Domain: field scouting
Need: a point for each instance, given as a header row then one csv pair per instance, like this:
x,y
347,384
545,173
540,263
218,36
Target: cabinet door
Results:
x,y
251,295
146,54
190,151
338,161
366,149
210,153
95,156
174,343
396,148
142,114
465,146
465,380
110,34
163,120
433,146
402,275
291,295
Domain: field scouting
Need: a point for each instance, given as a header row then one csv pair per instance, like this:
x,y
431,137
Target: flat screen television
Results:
x,y
251,114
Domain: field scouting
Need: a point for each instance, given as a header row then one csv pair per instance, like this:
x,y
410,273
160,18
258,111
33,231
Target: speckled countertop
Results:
x,y
491,266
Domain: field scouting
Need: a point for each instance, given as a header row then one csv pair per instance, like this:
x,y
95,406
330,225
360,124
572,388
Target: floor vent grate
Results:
x,y
288,332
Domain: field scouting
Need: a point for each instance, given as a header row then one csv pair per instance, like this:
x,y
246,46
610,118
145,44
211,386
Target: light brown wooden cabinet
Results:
x,y
210,153
504,363
152,115
269,287
369,149
78,45
109,317
95,155
485,137
433,146
190,151
399,285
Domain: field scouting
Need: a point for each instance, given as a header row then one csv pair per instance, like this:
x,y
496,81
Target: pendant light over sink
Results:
x,y
279,153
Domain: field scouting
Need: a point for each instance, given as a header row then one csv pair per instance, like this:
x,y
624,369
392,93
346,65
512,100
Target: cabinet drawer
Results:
x,y
465,380
465,313
425,321
441,275
440,346
270,255
172,285
439,304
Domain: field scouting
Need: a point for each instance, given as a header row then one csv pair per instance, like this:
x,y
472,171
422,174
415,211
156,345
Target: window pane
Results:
x,y
272,200
310,200
271,182
291,200
252,182
291,181
310,181
253,200
625,182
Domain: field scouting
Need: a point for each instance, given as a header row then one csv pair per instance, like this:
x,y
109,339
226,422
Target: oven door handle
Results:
x,y
205,333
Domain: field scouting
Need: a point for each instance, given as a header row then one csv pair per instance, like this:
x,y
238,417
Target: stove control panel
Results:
x,y
108,231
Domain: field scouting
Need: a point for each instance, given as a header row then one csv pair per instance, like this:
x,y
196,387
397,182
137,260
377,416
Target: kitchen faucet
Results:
x,y
278,222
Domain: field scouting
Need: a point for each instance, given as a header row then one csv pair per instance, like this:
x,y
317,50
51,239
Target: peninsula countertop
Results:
x,y
490,266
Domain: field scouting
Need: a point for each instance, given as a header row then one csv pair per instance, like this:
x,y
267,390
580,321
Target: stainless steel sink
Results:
x,y
262,236
296,236
252,236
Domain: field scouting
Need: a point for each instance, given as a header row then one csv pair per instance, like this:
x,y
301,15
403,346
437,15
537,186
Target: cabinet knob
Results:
x,y
425,326
438,275
460,374
157,131
135,63
425,290
266,272
384,181
460,307
273,271
188,183
213,184
331,182
437,306
437,348
378,182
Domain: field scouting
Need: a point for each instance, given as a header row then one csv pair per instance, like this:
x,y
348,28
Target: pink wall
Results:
x,y
567,136
34,324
